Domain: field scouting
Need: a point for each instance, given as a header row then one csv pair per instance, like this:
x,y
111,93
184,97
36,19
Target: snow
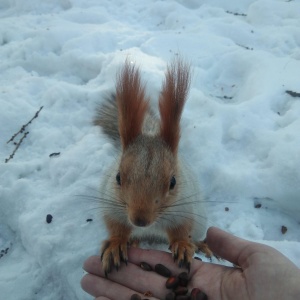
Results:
x,y
240,129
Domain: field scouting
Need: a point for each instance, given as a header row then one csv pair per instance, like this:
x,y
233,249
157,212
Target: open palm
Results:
x,y
261,273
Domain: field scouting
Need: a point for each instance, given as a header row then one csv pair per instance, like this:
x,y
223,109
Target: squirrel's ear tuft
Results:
x,y
173,96
132,105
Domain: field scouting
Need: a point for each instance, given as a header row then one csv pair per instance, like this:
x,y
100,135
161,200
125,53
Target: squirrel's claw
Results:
x,y
203,247
113,253
182,253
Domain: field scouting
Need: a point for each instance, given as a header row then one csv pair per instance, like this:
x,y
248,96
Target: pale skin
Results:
x,y
263,273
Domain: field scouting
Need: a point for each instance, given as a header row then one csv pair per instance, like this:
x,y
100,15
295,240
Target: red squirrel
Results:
x,y
149,194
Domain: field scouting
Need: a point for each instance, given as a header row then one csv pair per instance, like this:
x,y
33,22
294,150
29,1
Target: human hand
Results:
x,y
263,273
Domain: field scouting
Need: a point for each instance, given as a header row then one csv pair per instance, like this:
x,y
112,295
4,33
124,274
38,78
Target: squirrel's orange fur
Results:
x,y
132,106
149,193
172,100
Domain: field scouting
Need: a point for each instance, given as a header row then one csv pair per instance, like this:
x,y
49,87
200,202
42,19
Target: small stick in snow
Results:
x,y
17,144
17,147
236,14
293,94
24,126
54,154
245,47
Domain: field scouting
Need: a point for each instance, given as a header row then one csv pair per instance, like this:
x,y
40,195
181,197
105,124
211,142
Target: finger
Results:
x,y
230,247
103,288
137,255
153,257
131,276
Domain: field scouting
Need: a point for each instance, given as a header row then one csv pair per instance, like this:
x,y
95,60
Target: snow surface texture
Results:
x,y
240,128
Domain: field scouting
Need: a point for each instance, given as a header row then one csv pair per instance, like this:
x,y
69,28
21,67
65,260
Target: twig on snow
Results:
x,y
22,130
24,126
293,94
236,14
17,147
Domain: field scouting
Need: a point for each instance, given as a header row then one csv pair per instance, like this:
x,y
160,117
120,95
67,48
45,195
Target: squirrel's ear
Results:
x,y
173,96
131,102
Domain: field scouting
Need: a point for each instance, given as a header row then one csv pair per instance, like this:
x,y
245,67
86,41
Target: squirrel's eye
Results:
x,y
118,178
172,183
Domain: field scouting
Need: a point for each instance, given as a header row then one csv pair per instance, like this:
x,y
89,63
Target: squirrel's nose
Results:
x,y
140,222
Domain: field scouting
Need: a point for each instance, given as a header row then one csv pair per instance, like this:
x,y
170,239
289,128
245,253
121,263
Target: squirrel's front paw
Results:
x,y
113,252
204,248
183,252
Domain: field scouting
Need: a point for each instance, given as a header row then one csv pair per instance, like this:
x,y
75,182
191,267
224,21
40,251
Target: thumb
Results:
x,y
228,246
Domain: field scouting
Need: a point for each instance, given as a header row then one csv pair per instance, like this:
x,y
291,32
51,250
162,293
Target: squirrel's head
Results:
x,y
148,166
146,180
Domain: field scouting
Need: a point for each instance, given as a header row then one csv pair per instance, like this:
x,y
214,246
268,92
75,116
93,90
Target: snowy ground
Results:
x,y
240,128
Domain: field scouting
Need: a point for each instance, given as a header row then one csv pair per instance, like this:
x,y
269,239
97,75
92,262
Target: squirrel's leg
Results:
x,y
181,245
203,247
134,242
114,250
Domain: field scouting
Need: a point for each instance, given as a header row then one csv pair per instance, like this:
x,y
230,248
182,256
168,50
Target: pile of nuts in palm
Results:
x,y
176,284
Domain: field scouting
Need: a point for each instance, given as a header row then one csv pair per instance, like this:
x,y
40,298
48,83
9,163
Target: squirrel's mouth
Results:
x,y
140,222
141,218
